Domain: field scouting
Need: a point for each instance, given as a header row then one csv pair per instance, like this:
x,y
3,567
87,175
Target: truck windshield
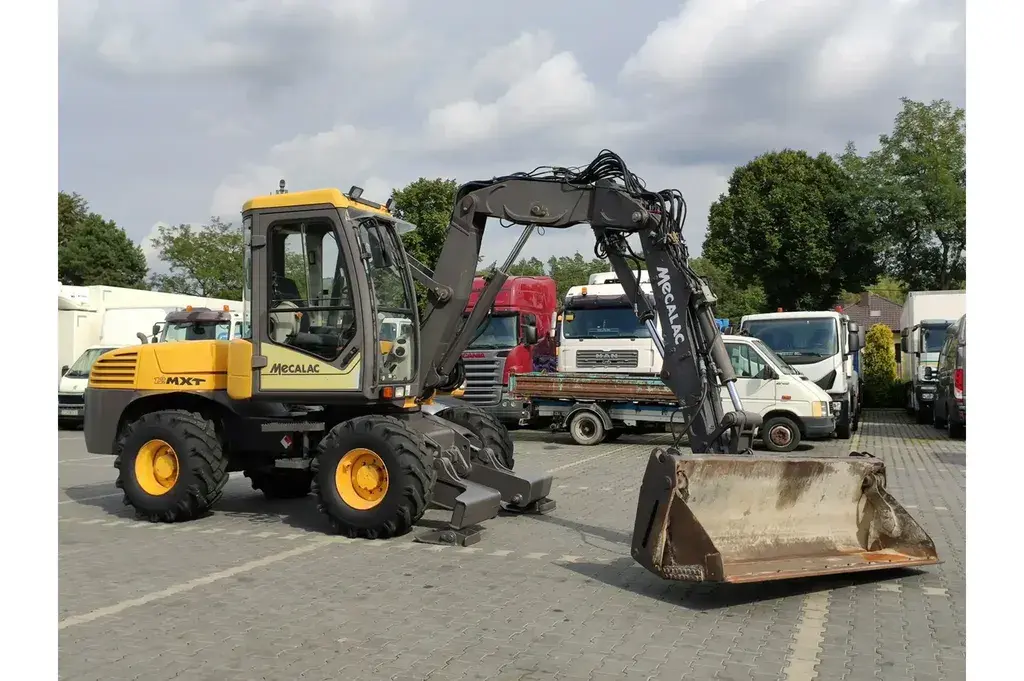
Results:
x,y
499,332
82,366
783,365
933,336
603,322
797,341
190,332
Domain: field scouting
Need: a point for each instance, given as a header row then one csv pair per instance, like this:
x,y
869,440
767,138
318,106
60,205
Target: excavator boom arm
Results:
x,y
695,360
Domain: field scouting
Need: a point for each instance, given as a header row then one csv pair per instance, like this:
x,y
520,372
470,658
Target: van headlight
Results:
x,y
819,409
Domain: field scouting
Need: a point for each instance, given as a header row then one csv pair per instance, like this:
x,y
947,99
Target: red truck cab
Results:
x,y
499,348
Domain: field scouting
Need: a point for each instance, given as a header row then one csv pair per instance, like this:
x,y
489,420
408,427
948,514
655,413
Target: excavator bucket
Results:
x,y
752,519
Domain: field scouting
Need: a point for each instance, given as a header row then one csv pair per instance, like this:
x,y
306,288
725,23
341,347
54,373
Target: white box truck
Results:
x,y
821,345
923,323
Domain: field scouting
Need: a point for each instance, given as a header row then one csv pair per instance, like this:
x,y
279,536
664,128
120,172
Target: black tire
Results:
x,y
281,483
844,430
489,429
586,428
202,466
780,434
956,431
409,460
938,421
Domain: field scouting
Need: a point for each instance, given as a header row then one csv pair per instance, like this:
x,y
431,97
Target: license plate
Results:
x,y
69,412
927,398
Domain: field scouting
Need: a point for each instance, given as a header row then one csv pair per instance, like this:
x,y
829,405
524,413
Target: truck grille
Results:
x,y
114,370
76,399
595,359
483,381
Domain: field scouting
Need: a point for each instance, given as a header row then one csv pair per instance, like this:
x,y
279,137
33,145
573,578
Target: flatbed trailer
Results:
x,y
596,408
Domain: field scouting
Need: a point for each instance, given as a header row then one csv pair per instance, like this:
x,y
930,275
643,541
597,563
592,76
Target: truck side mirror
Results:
x,y
905,341
530,334
156,329
64,369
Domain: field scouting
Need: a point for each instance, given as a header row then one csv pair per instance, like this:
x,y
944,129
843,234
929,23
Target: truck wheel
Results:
x,y
586,428
281,483
956,431
843,430
486,427
780,434
374,477
171,465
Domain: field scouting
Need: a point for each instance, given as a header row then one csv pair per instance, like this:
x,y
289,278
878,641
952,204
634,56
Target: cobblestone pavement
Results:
x,y
258,590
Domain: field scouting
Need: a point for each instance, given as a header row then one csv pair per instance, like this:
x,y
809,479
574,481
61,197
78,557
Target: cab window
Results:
x,y
746,362
310,299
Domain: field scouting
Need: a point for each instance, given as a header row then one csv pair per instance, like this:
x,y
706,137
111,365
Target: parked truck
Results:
x,y
500,348
599,407
923,323
821,345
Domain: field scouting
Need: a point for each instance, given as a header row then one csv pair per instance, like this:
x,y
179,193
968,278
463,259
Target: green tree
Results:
x,y
917,180
793,224
72,210
528,268
203,261
427,203
881,387
734,300
575,270
96,252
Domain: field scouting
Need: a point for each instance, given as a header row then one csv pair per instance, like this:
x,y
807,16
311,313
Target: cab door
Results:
x,y
307,308
755,379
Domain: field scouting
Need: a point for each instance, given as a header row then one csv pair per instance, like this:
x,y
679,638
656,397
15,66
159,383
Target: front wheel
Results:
x,y
586,428
780,434
374,477
171,465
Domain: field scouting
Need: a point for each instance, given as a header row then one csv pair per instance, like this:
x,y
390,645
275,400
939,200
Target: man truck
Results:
x,y
923,323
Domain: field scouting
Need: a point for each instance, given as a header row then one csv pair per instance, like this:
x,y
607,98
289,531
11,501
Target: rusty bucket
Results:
x,y
756,518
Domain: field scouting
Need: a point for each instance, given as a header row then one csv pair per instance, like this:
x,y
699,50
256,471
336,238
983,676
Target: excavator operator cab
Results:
x,y
326,282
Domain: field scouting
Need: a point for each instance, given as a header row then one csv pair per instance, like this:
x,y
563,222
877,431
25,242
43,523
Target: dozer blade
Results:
x,y
751,519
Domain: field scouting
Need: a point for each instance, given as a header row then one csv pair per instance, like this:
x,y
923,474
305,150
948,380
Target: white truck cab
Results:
x,y
820,345
792,407
71,387
600,331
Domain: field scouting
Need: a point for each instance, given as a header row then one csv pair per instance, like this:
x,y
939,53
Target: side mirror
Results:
x,y
64,369
530,334
156,329
905,340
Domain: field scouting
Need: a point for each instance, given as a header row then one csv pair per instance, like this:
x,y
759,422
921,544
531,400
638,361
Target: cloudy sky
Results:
x,y
175,110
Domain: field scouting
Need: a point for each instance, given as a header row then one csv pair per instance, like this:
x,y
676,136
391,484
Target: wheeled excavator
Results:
x,y
316,400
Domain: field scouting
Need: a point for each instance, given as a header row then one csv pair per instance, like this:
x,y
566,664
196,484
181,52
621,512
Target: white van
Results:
x,y
71,387
792,406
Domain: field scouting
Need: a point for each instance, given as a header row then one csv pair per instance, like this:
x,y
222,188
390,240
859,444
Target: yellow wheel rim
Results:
x,y
361,479
156,467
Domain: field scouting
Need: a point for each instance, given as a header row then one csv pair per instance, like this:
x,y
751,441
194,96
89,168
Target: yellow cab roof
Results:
x,y
311,197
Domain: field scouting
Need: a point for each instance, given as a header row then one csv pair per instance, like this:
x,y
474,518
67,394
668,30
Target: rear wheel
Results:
x,y
780,434
489,429
281,483
955,430
374,477
586,428
171,465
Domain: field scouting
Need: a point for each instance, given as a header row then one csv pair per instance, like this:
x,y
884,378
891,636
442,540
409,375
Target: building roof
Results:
x,y
873,309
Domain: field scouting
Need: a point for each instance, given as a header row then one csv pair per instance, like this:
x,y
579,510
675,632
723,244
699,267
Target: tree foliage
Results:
x,y
203,261
92,251
793,224
734,300
917,185
427,203
881,387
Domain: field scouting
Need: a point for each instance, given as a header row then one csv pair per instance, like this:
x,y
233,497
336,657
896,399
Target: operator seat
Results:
x,y
286,290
